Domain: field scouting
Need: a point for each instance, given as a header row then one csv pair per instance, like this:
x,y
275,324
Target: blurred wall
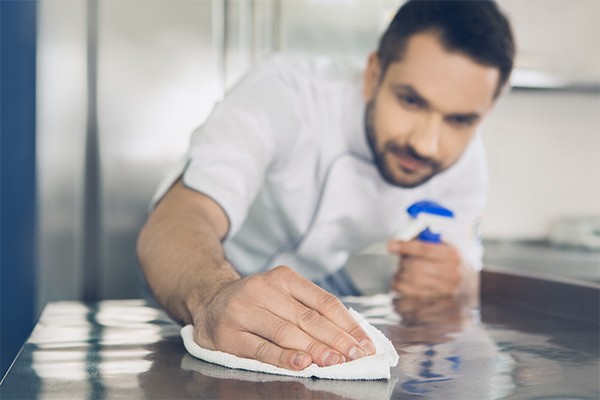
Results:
x,y
544,145
544,156
161,65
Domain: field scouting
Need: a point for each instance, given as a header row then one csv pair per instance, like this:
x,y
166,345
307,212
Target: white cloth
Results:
x,y
287,386
285,155
372,367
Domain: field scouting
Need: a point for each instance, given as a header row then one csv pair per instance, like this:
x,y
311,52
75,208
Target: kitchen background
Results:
x,y
122,84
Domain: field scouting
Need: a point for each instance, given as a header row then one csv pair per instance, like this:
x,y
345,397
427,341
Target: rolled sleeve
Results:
x,y
253,128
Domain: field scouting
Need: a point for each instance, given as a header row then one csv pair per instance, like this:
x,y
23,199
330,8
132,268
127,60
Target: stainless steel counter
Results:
x,y
449,350
540,257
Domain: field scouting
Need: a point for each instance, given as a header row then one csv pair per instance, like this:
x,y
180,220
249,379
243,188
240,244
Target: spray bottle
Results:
x,y
372,269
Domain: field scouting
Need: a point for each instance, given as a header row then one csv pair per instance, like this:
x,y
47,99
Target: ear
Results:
x,y
371,77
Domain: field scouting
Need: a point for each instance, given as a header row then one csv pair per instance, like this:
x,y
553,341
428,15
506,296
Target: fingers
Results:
x,y
427,269
425,278
258,348
288,335
325,317
430,251
420,271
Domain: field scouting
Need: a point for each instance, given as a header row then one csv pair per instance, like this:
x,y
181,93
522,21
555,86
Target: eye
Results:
x,y
409,101
461,121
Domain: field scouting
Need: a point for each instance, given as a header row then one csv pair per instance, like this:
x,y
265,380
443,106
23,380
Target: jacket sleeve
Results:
x,y
247,133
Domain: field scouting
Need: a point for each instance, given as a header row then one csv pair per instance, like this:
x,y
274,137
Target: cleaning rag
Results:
x,y
376,366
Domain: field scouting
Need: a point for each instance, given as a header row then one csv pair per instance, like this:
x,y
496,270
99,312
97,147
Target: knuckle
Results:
x,y
282,270
281,331
254,282
415,246
309,317
340,340
314,348
357,332
262,350
235,306
282,273
330,302
422,247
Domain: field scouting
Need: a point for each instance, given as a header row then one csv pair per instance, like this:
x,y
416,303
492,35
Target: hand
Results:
x,y
429,269
280,318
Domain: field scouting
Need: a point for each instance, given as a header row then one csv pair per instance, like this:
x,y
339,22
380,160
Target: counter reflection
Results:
x,y
93,349
449,348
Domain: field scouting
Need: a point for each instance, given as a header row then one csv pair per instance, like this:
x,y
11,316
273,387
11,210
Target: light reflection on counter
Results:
x,y
448,349
112,354
445,352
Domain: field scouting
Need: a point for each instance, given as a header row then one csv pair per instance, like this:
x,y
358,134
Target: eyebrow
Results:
x,y
408,89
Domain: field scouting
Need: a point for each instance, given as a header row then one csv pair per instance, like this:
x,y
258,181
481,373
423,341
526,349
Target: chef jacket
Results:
x,y
285,155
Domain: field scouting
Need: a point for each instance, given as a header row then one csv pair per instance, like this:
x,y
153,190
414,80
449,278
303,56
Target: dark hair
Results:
x,y
476,28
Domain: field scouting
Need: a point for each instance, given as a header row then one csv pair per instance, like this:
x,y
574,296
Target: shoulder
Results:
x,y
306,84
299,69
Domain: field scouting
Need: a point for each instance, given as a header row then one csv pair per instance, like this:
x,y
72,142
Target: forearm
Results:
x,y
277,316
182,257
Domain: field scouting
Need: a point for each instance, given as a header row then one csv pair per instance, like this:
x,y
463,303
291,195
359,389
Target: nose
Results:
x,y
425,138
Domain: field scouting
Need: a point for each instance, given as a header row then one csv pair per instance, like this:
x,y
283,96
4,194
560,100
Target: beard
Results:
x,y
407,179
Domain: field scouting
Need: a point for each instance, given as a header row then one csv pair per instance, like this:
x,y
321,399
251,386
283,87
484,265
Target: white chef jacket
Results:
x,y
286,156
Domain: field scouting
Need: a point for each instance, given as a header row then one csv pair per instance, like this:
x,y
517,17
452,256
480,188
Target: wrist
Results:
x,y
202,293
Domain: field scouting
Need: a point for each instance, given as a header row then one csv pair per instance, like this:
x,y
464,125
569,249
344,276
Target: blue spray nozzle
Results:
x,y
428,236
431,208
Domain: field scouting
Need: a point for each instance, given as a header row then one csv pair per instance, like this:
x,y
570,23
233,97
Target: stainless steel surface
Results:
x,y
124,349
560,297
543,259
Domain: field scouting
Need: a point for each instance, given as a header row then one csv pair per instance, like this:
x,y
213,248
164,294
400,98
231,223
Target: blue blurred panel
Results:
x,y
18,205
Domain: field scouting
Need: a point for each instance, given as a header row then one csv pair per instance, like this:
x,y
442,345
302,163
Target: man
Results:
x,y
305,163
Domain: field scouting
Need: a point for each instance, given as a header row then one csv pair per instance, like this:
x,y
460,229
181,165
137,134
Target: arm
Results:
x,y
276,317
179,247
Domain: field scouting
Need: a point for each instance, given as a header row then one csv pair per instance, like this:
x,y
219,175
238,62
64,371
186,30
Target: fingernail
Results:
x,y
356,353
368,346
331,358
299,360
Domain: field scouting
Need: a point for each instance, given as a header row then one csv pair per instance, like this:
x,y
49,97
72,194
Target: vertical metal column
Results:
x,y
244,32
219,40
277,25
91,249
266,29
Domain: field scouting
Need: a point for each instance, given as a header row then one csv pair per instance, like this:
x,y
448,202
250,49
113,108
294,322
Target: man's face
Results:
x,y
421,116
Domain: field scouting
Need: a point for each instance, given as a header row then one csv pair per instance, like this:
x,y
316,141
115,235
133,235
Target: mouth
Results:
x,y
401,165
409,164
